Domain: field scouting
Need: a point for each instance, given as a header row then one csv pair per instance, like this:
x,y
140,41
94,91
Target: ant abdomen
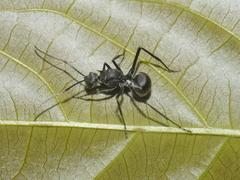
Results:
x,y
142,88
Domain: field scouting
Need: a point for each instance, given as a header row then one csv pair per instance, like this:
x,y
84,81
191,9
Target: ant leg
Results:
x,y
65,90
161,114
76,97
61,102
114,62
119,103
106,65
107,91
133,68
92,99
73,85
99,99
143,114
153,64
116,57
153,108
58,59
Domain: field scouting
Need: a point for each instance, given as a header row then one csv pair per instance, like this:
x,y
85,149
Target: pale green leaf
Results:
x,y
85,140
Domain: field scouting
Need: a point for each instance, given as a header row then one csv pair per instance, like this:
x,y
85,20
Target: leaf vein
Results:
x,y
35,73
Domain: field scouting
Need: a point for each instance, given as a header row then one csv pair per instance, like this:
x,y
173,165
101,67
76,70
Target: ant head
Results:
x,y
142,86
91,80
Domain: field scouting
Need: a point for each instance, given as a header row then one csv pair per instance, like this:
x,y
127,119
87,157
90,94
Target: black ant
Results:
x,y
114,83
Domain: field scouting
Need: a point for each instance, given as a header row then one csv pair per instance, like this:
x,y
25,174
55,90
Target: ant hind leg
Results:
x,y
143,114
161,114
165,117
119,109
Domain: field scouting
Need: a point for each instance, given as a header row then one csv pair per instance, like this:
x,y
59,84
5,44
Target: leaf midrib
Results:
x,y
130,128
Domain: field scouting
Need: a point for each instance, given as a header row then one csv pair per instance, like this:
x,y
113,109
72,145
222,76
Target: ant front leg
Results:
x,y
95,99
73,85
135,64
54,105
117,65
106,65
104,91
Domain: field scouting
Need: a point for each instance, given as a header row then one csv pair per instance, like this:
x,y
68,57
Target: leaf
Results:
x,y
85,140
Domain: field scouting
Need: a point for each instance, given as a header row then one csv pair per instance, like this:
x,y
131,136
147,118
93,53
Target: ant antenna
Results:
x,y
55,65
57,59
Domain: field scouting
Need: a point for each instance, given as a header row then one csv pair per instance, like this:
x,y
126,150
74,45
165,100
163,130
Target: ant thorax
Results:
x,y
111,77
130,84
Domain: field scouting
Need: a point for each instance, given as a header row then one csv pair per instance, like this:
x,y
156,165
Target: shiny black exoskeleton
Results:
x,y
113,82
114,79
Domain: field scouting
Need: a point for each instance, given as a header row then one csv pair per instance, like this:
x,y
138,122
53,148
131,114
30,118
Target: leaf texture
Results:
x,y
85,140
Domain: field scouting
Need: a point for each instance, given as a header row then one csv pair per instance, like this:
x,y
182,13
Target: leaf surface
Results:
x,y
85,140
